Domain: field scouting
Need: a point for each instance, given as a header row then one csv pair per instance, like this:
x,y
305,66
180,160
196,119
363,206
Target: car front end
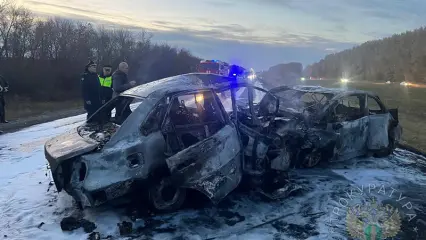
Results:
x,y
71,157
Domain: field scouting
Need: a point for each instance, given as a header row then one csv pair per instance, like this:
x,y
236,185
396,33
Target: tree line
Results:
x,y
43,59
401,57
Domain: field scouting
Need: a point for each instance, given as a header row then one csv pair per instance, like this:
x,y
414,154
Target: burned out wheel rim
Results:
x,y
165,197
312,159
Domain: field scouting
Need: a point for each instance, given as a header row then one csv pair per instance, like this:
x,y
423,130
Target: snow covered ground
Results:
x,y
30,209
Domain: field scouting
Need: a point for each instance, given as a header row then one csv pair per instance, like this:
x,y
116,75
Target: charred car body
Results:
x,y
179,136
317,124
182,135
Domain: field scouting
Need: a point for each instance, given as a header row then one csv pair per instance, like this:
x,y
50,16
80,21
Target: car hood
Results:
x,y
66,146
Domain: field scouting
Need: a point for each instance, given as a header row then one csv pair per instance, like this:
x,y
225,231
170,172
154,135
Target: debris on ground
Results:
x,y
88,226
41,224
72,223
94,236
125,228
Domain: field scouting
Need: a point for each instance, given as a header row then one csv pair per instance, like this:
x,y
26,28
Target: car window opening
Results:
x,y
192,117
348,109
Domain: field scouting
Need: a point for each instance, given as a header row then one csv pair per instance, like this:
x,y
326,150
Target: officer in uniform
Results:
x,y
4,88
91,90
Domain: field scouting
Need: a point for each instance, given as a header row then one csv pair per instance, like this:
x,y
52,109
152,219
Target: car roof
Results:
x,y
337,92
184,82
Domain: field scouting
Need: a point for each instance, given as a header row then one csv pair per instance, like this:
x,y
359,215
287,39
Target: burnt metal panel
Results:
x,y
212,166
378,137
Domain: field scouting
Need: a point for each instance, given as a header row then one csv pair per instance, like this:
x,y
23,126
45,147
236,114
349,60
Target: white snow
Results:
x,y
25,201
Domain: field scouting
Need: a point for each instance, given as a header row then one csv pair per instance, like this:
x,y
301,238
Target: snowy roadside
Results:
x,y
26,202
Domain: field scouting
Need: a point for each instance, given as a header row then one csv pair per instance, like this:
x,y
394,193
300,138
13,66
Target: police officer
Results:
x,y
91,90
4,88
105,81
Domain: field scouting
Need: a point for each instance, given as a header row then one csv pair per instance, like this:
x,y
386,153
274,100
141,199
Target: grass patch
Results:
x,y
411,102
19,108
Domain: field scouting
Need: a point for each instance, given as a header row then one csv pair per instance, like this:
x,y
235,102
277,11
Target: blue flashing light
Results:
x,y
234,74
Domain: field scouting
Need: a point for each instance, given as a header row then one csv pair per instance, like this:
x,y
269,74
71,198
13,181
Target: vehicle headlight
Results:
x,y
344,80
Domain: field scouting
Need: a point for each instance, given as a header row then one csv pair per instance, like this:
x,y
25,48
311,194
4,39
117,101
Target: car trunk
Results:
x,y
63,149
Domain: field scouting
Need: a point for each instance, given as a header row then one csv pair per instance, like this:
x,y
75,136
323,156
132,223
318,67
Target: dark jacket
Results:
x,y
91,89
4,86
120,82
106,92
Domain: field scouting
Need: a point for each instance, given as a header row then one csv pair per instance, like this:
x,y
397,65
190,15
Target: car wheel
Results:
x,y
312,159
165,197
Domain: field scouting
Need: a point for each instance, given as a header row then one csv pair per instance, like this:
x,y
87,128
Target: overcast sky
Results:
x,y
254,33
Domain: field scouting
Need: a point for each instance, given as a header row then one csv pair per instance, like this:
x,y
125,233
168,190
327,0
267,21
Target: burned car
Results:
x,y
178,137
317,124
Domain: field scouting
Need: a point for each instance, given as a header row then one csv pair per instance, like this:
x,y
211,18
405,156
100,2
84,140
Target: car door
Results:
x,y
379,119
348,119
203,147
255,125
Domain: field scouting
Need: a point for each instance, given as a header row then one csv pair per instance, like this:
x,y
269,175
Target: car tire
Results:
x,y
164,197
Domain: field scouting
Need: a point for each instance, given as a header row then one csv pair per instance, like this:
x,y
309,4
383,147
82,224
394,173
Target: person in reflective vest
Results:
x,y
105,80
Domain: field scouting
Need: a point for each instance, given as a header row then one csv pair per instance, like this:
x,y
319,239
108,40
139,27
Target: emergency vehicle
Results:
x,y
214,66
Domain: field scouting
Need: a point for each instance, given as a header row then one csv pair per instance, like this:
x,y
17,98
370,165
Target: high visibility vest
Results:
x,y
105,82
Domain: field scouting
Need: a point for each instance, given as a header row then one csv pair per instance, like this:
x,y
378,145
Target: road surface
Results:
x,y
31,209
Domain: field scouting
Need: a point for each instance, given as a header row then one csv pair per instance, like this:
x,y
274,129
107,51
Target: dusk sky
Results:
x,y
253,33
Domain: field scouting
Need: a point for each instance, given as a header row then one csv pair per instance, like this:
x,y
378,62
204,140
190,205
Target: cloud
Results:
x,y
256,32
212,40
72,9
219,3
256,55
203,28
243,34
82,14
357,15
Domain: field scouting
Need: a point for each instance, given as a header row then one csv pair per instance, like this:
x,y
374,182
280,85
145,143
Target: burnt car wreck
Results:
x,y
179,136
323,124
182,135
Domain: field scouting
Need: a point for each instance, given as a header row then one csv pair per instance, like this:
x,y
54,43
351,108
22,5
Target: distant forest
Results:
x,y
43,59
401,57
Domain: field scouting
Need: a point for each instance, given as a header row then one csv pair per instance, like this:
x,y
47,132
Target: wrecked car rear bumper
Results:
x,y
100,196
63,150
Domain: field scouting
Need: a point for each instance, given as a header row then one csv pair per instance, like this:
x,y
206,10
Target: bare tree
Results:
x,y
53,53
8,17
20,38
